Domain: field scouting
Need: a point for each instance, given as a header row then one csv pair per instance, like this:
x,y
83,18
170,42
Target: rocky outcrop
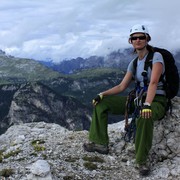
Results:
x,y
44,151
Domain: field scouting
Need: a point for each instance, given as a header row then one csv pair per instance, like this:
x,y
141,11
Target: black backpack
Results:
x,y
171,73
171,85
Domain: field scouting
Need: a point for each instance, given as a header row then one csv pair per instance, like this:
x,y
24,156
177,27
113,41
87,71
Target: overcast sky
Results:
x,y
64,29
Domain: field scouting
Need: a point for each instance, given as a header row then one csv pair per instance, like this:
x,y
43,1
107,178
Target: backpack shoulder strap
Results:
x,y
135,63
147,64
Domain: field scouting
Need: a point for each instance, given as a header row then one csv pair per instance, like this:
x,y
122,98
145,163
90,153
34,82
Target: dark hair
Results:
x,y
149,48
148,37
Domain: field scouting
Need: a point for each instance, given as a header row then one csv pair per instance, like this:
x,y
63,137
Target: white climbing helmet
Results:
x,y
138,28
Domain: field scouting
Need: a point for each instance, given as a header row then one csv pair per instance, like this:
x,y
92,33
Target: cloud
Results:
x,y
60,29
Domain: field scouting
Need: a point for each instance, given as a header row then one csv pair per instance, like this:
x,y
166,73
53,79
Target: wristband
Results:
x,y
146,103
100,95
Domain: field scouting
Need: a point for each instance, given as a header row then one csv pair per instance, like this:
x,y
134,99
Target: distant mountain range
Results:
x,y
116,59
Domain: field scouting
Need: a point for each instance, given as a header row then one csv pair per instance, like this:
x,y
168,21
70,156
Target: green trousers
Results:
x,y
98,132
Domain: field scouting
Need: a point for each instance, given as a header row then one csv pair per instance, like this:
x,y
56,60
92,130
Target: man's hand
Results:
x,y
146,111
97,99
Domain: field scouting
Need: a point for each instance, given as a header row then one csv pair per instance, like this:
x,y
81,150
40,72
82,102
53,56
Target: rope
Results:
x,y
130,128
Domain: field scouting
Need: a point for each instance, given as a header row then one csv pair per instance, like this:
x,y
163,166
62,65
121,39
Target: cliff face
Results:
x,y
50,152
34,102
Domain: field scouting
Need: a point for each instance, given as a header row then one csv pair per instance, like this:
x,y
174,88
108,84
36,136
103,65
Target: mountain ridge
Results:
x,y
20,70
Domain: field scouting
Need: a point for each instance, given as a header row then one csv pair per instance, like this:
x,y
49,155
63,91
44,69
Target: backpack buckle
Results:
x,y
144,73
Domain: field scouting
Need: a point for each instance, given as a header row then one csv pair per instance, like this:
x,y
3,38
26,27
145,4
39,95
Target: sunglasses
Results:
x,y
138,37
